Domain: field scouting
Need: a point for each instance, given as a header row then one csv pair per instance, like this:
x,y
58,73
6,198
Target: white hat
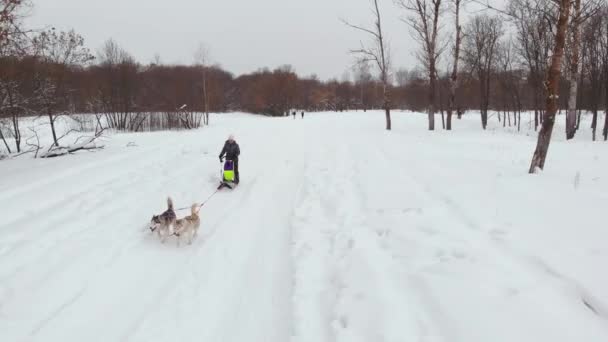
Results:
x,y
231,137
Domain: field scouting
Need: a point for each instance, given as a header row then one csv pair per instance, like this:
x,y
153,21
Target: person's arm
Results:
x,y
223,152
238,150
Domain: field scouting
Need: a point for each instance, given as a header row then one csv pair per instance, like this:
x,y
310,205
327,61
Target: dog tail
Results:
x,y
170,203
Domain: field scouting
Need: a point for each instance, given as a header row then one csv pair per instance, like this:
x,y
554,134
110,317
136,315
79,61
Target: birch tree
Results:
x,y
424,21
456,57
552,83
377,52
201,57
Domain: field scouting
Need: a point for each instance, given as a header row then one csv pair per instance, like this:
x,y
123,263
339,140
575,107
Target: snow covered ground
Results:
x,y
340,231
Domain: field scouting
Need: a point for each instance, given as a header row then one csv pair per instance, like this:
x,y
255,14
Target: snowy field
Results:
x,y
339,231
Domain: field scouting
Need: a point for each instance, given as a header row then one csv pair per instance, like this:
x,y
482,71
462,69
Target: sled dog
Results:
x,y
188,226
164,223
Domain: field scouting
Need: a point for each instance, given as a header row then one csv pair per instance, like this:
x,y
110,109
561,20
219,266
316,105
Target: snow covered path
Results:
x,y
340,231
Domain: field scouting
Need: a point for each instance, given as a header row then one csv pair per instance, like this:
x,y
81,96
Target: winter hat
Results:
x,y
231,137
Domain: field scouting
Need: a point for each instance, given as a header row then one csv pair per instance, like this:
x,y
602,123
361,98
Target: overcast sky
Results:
x,y
242,35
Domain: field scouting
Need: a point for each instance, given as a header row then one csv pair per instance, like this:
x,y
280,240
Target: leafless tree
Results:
x,y
401,77
452,105
202,59
363,79
118,87
574,69
424,21
60,51
552,84
12,13
378,53
583,10
604,51
479,52
592,35
12,105
12,37
535,21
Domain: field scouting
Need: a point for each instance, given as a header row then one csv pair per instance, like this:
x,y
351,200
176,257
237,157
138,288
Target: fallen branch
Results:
x,y
37,145
87,145
62,151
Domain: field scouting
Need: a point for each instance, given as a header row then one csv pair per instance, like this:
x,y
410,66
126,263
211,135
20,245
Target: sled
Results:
x,y
228,176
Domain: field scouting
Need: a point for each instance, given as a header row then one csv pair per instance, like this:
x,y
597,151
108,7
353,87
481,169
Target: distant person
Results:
x,y
232,151
302,114
294,115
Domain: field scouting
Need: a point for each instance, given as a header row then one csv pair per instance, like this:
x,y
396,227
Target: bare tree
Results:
x,y
12,13
60,51
363,78
456,54
592,36
12,37
424,21
201,58
534,21
480,46
509,80
377,53
401,77
544,136
118,88
574,70
583,10
604,48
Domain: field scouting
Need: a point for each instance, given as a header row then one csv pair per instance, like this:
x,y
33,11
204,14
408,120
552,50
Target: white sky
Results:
x,y
243,35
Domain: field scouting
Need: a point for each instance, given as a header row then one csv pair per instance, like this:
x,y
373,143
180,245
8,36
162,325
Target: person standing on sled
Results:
x,y
232,151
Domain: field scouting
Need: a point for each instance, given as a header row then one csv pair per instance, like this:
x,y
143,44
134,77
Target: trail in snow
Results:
x,y
339,231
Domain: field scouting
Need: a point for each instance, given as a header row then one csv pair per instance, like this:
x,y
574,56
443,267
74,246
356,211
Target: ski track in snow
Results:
x,y
339,231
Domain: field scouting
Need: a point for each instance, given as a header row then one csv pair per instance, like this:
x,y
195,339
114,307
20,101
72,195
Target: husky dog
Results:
x,y
188,225
164,223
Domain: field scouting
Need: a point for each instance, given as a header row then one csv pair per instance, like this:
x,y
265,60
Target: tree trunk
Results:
x,y
571,113
448,124
606,123
52,122
594,124
580,98
13,109
441,106
454,76
519,121
387,104
5,143
606,89
544,136
432,96
17,132
206,99
388,118
482,102
574,72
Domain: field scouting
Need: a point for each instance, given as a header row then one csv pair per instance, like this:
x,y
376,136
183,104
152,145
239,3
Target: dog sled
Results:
x,y
228,176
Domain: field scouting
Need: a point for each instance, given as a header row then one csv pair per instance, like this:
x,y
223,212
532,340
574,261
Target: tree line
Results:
x,y
544,55
497,59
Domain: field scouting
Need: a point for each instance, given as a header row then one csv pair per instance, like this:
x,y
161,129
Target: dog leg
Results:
x,y
164,238
191,237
